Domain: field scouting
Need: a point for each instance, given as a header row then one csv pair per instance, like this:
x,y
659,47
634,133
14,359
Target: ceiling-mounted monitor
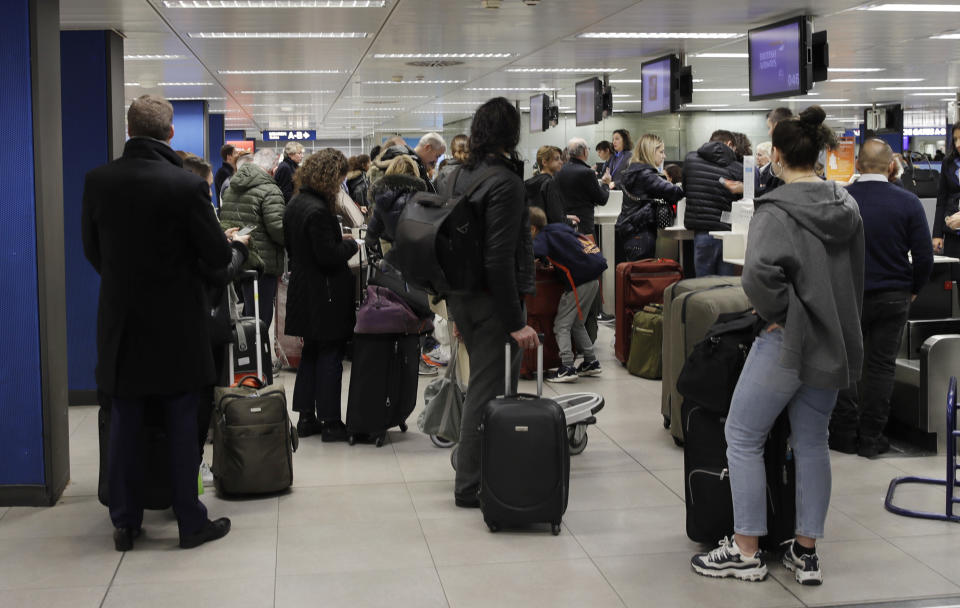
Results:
x,y
659,93
539,113
781,59
589,102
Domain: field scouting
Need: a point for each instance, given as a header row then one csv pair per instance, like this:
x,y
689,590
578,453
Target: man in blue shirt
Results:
x,y
895,227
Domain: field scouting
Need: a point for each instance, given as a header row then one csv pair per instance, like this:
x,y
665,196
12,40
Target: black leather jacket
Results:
x,y
581,192
707,198
508,248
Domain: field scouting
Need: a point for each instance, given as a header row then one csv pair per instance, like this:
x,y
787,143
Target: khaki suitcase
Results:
x,y
690,307
646,343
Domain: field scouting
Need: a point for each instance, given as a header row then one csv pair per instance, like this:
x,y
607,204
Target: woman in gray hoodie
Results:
x,y
804,274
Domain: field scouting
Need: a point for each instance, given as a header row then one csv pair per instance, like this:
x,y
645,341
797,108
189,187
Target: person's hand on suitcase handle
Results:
x,y
526,338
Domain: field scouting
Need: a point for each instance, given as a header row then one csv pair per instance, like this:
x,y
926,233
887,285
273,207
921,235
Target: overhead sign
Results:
x,y
289,135
841,161
925,131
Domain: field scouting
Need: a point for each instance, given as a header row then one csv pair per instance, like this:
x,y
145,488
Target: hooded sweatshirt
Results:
x,y
804,271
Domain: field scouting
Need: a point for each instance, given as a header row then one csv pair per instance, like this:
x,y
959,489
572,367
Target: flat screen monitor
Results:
x,y
658,91
778,59
539,113
589,102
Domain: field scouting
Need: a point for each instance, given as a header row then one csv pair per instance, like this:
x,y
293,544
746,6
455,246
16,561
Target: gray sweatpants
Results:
x,y
568,326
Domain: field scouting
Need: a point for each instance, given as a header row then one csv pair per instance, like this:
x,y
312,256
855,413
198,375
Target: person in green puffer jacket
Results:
x,y
254,199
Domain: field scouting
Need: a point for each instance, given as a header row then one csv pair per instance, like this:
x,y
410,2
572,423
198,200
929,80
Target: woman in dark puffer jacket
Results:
x,y
642,182
389,195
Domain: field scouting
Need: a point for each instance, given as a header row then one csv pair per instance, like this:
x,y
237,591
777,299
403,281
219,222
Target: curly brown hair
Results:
x,y
323,172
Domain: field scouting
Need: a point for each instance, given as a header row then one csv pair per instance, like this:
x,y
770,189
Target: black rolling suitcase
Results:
x,y
524,458
383,385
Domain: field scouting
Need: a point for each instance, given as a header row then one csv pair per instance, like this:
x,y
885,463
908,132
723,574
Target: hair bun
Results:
x,y
813,116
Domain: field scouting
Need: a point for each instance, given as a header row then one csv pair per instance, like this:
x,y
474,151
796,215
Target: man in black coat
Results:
x,y
708,198
148,222
577,181
292,156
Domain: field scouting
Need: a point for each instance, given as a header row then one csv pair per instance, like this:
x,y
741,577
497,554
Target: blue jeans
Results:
x,y
764,390
708,256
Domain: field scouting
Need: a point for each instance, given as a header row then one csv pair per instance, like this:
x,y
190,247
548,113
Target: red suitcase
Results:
x,y
541,313
638,284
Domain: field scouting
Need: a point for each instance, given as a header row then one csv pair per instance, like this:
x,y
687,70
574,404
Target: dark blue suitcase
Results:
x,y
524,458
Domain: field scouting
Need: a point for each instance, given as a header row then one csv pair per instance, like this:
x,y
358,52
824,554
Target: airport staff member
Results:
x,y
894,224
152,352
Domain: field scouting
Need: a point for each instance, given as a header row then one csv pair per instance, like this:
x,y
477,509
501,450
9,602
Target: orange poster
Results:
x,y
841,162
243,145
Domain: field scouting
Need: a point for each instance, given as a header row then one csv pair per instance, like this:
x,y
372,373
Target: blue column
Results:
x,y
235,135
34,456
215,132
190,127
92,101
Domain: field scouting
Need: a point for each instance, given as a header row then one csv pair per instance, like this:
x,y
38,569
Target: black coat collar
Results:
x,y
151,149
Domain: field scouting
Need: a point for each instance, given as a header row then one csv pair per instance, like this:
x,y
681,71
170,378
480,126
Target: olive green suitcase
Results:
x,y
646,343
690,307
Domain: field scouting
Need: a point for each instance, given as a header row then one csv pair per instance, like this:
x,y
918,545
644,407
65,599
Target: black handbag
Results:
x,y
922,181
663,213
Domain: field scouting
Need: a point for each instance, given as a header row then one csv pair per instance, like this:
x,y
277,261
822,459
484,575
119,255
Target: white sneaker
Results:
x,y
806,568
727,560
206,475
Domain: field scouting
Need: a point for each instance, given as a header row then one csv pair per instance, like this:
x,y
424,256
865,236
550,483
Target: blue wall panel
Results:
x,y
234,135
21,424
83,68
215,141
189,126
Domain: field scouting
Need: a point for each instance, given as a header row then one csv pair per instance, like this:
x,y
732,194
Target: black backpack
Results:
x,y
711,372
438,244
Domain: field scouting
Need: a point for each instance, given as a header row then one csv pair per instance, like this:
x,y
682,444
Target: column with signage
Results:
x,y
215,139
34,437
93,134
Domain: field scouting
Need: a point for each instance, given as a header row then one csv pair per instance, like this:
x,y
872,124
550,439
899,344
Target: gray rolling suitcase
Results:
x,y
690,307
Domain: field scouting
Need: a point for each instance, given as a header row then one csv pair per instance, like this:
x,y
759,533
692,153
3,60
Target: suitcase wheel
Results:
x,y
403,427
440,442
577,437
380,441
351,439
555,528
493,526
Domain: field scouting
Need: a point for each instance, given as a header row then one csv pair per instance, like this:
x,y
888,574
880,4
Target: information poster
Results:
x,y
841,162
243,145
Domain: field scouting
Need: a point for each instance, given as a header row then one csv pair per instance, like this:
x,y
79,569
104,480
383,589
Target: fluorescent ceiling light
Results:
x,y
856,70
705,105
845,105
929,94
942,89
277,105
954,36
184,84
814,101
628,81
370,109
195,99
629,101
414,82
278,34
131,84
281,92
719,90
661,35
274,3
721,55
442,55
914,8
737,110
563,70
512,89
458,103
152,57
282,72
876,80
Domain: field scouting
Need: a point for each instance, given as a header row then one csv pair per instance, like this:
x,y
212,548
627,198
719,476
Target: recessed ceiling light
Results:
x,y
814,101
719,90
914,88
929,94
856,70
195,98
458,103
705,105
184,84
954,36
737,110
278,34
661,35
374,109
292,105
876,80
414,81
131,84
721,55
282,92
914,8
274,3
845,105
511,89
563,70
442,55
152,57
282,72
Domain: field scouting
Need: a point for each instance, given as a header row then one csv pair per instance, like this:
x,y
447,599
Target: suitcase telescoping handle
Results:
x,y
507,367
251,275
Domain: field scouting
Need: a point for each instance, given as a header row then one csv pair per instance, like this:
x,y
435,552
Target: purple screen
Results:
x,y
586,102
775,60
656,87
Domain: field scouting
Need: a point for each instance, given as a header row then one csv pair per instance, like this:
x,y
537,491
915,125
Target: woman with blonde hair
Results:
x,y
320,299
642,183
389,195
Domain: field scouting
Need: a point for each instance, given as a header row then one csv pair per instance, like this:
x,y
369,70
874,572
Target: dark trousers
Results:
x,y
951,248
267,286
864,409
205,406
126,472
319,380
708,256
484,336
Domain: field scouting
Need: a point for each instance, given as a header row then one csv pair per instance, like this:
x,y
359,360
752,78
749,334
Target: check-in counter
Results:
x,y
605,217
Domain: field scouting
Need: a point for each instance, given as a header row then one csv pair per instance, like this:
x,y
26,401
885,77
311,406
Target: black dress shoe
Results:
x,y
123,538
333,431
307,426
213,530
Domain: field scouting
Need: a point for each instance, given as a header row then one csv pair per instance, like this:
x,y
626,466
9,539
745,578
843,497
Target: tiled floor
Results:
x,y
377,527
